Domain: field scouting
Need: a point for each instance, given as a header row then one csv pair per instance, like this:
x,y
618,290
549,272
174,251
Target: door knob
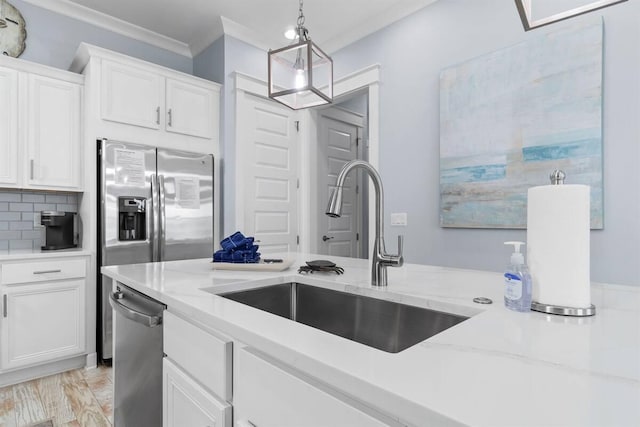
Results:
x,y
325,238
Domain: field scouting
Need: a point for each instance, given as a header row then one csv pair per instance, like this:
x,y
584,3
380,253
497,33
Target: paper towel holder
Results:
x,y
557,178
563,311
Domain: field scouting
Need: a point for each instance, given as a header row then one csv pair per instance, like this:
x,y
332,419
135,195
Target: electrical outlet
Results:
x,y
399,219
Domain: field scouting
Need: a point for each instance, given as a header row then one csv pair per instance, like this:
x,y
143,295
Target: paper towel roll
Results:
x,y
558,253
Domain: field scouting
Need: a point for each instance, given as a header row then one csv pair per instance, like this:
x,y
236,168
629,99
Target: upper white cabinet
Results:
x,y
53,134
40,127
131,95
191,109
133,100
139,97
8,126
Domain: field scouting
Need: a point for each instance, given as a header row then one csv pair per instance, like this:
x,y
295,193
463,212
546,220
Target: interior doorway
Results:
x,y
341,133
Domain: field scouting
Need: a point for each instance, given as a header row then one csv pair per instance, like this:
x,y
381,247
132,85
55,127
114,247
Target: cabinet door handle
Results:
x,y
170,121
31,168
4,305
158,115
47,271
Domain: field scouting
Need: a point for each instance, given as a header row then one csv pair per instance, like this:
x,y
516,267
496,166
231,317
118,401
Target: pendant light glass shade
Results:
x,y
301,74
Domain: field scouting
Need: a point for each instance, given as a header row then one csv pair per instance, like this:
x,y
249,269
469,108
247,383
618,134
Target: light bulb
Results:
x,y
300,79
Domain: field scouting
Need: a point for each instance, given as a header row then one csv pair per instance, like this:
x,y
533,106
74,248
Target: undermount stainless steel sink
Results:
x,y
385,325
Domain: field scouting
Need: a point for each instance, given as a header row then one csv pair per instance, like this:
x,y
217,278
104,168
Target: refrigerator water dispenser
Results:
x,y
132,218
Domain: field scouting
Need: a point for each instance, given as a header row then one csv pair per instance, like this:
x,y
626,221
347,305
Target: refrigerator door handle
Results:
x,y
153,228
163,217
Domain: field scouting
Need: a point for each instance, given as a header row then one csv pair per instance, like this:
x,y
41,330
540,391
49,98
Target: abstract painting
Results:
x,y
511,117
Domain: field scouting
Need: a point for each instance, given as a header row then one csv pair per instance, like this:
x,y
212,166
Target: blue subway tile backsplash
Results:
x,y
17,210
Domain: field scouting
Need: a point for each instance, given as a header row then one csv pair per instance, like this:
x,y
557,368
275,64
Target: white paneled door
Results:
x,y
267,162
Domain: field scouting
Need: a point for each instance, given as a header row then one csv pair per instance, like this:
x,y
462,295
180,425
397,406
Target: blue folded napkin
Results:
x,y
236,241
241,257
238,249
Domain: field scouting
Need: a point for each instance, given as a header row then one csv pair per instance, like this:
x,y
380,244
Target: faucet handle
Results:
x,y
400,260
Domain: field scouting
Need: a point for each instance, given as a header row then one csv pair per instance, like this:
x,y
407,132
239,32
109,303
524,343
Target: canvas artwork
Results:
x,y
509,118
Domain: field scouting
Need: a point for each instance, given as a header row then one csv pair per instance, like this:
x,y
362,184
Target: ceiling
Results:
x,y
192,25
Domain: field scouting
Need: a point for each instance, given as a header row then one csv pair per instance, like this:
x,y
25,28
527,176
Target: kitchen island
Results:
x,y
498,368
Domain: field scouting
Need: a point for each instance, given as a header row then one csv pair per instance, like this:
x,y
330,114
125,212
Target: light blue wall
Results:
x,y
209,64
52,39
414,50
250,60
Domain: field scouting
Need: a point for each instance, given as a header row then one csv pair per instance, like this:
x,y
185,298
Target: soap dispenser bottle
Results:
x,y
517,281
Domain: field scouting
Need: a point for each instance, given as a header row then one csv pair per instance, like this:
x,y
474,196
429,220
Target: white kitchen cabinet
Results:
x,y
53,134
40,127
146,98
8,126
131,95
43,310
201,353
191,109
186,403
266,395
42,322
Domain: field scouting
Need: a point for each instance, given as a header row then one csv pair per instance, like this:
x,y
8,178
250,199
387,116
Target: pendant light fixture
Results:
x,y
301,74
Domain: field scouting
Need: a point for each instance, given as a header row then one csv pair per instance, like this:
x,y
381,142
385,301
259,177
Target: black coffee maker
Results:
x,y
61,230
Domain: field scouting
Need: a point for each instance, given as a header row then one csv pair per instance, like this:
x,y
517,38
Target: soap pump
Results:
x,y
517,281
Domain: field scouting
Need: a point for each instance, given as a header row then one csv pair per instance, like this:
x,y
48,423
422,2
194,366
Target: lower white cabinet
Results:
x,y
186,403
266,395
42,322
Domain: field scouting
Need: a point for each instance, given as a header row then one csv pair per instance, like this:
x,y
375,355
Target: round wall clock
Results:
x,y
13,30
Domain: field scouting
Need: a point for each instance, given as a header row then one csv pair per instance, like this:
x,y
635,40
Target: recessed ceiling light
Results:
x,y
291,34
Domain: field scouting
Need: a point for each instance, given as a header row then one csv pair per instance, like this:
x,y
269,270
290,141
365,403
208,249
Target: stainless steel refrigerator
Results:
x,y
155,204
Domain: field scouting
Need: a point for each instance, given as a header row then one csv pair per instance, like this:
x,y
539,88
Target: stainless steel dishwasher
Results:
x,y
137,359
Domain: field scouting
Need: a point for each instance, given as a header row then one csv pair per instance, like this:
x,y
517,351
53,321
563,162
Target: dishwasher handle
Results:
x,y
131,314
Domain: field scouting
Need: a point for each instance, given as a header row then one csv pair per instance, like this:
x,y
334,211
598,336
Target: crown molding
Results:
x,y
203,40
390,16
107,22
246,34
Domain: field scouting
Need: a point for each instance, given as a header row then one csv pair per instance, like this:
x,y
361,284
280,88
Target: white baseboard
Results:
x,y
26,374
92,361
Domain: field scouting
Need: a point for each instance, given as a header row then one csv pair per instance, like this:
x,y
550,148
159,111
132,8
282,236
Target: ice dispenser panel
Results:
x,y
132,218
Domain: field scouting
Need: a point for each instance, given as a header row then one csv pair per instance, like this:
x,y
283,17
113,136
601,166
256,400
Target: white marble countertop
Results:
x,y
16,254
499,368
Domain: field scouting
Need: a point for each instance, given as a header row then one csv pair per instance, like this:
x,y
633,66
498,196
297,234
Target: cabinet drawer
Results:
x,y
266,395
185,403
41,271
204,356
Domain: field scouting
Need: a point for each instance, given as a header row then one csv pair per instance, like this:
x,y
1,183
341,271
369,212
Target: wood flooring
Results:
x,y
78,398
